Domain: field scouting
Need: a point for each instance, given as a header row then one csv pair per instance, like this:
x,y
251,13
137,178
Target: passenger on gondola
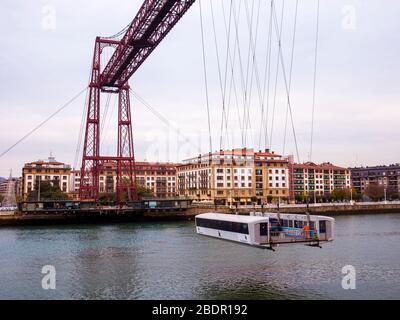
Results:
x,y
306,230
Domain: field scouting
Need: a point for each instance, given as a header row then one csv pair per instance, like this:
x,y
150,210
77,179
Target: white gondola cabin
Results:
x,y
266,229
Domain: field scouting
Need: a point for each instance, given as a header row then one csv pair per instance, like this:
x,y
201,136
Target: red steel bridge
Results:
x,y
152,23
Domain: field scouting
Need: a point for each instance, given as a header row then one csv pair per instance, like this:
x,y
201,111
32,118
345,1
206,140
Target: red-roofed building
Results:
x,y
232,176
318,179
160,178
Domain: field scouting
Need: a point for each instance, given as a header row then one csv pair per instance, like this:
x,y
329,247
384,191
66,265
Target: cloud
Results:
x,y
357,112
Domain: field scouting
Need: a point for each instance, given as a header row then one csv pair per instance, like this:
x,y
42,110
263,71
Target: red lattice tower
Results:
x,y
152,23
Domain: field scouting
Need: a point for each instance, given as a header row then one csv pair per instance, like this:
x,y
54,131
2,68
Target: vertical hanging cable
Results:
x,y
286,87
267,81
80,135
279,39
315,82
205,77
290,74
228,48
232,61
219,74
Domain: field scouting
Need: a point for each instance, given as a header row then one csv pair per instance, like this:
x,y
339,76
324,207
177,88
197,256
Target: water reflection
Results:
x,y
170,261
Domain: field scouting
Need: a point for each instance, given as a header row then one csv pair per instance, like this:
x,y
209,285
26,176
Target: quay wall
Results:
x,y
116,216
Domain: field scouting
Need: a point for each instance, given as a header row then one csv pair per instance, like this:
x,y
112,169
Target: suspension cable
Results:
x,y
232,60
290,74
315,82
43,122
287,89
164,120
80,134
267,81
205,77
279,40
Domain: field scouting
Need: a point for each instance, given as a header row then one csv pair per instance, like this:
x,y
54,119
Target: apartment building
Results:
x,y
386,176
231,176
160,178
271,177
319,179
50,170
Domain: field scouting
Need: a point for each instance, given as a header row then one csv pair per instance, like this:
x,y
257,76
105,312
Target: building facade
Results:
x,y
234,176
318,179
50,170
385,176
160,178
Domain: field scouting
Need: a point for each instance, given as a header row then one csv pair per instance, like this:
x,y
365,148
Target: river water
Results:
x,y
170,261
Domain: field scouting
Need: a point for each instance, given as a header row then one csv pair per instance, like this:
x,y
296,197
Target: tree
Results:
x,y
299,198
107,198
144,192
394,196
48,191
340,194
375,191
269,199
357,196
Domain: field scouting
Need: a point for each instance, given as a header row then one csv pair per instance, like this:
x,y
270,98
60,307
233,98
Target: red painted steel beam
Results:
x,y
153,22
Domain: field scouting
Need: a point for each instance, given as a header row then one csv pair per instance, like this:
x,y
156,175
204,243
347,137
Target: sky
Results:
x,y
46,56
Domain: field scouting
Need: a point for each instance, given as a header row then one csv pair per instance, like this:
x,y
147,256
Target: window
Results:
x,y
263,229
285,223
322,226
237,227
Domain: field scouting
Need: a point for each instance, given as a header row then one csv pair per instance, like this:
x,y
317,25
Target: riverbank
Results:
x,y
99,216
317,209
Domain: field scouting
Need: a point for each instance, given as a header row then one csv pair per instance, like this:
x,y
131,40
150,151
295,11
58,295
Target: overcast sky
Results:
x,y
47,48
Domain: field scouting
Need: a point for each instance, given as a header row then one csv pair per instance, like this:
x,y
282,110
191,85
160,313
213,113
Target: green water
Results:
x,y
170,261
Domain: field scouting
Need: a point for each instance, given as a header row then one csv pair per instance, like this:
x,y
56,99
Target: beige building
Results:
x,y
160,178
271,177
319,179
50,170
234,176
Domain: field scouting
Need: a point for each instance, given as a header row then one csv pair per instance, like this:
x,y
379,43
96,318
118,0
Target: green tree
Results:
x,y
357,196
340,194
48,191
107,198
144,192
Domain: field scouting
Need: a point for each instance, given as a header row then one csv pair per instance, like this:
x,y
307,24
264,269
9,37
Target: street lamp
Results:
x,y
385,194
38,195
